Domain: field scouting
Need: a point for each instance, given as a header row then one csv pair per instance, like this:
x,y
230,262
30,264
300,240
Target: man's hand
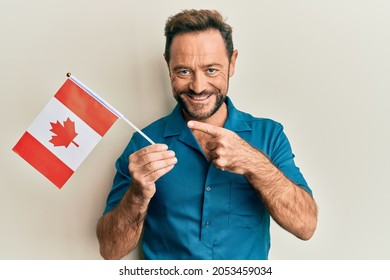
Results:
x,y
149,164
226,149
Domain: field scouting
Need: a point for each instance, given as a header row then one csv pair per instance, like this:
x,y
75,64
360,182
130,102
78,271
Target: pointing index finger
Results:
x,y
212,130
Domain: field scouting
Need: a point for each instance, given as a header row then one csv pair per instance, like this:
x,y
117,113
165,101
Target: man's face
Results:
x,y
199,70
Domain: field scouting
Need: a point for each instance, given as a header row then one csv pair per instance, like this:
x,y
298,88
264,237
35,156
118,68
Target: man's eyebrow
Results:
x,y
207,66
180,67
213,65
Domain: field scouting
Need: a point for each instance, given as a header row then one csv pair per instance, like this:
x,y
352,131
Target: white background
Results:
x,y
321,68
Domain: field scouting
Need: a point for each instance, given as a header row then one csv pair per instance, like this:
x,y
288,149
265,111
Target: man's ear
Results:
x,y
232,64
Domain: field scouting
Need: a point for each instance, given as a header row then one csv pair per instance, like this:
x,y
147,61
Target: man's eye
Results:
x,y
184,72
211,71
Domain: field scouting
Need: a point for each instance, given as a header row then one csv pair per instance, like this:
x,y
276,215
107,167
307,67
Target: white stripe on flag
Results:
x,y
72,155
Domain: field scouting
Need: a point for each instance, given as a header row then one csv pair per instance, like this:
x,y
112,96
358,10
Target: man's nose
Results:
x,y
198,83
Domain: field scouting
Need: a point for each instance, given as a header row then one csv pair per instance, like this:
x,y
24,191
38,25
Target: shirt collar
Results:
x,y
176,124
236,120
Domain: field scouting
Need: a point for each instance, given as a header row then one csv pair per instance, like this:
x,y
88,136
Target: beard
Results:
x,y
199,112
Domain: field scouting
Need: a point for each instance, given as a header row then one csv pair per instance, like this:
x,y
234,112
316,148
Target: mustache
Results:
x,y
191,92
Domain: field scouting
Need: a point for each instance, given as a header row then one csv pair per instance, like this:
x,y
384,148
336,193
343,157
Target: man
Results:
x,y
207,191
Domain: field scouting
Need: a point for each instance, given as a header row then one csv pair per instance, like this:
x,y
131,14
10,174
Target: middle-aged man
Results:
x,y
208,189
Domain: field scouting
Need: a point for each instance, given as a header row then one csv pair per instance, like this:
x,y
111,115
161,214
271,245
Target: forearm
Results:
x,y
290,206
119,230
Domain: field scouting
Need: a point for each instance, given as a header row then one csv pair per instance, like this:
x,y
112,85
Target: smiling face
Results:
x,y
200,70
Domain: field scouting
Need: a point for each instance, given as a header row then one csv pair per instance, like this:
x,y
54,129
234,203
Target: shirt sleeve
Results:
x,y
122,179
283,158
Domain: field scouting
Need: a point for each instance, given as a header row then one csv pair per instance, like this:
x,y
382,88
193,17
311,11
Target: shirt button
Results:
x,y
207,223
208,189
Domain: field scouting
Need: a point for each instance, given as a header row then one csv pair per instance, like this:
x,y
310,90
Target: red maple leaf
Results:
x,y
65,134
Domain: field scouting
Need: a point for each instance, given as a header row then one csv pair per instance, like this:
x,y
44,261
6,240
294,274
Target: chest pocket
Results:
x,y
246,208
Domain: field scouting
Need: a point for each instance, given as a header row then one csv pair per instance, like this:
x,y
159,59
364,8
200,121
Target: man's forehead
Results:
x,y
198,44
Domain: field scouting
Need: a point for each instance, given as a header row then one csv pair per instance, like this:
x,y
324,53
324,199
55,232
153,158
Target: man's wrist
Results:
x,y
134,201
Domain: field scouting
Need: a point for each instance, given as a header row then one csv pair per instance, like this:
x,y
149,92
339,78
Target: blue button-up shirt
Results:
x,y
200,211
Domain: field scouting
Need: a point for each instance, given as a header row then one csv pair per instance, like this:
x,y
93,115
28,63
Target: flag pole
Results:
x,y
108,106
137,129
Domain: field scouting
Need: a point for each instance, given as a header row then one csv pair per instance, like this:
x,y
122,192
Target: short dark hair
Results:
x,y
189,21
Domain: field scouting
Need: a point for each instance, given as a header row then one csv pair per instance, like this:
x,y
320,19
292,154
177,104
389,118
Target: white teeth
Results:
x,y
200,97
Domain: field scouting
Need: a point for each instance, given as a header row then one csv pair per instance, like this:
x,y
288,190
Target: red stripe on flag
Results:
x,y
86,107
32,151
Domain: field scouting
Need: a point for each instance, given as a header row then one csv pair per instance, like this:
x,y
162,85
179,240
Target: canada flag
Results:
x,y
65,132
